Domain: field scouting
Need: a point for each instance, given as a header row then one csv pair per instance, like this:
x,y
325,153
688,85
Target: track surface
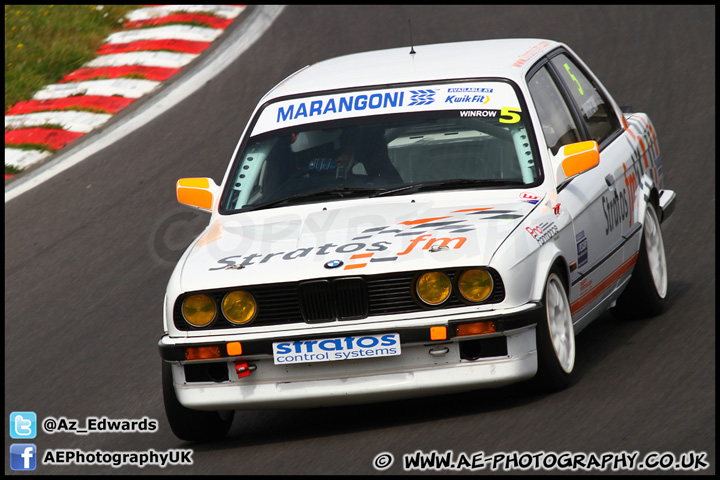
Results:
x,y
88,255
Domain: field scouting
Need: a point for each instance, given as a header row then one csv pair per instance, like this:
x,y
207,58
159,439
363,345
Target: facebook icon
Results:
x,y
23,456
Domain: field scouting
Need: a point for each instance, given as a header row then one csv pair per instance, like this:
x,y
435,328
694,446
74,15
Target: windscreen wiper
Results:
x,y
340,192
448,184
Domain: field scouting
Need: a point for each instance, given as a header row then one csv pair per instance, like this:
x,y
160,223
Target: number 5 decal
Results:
x,y
509,112
574,78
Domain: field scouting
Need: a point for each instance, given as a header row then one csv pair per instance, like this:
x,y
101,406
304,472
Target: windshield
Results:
x,y
389,142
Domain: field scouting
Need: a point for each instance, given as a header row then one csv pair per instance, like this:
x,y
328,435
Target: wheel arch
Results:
x,y
648,195
555,260
561,265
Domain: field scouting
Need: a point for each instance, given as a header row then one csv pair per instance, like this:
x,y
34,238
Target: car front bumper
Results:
x,y
423,368
667,206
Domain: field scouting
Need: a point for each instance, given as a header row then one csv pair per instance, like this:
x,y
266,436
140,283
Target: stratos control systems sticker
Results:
x,y
330,349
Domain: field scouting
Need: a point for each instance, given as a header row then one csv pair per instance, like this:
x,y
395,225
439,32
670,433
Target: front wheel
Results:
x,y
555,339
645,294
188,424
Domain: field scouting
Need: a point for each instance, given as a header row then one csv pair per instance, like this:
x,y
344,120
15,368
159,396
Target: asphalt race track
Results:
x,y
89,252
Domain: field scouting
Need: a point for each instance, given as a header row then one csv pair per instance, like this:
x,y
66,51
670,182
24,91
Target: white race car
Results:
x,y
410,222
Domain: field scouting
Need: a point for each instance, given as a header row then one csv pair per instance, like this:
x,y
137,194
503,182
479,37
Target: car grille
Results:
x,y
329,300
333,299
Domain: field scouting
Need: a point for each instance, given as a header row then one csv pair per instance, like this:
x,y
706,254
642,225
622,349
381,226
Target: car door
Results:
x,y
592,199
601,122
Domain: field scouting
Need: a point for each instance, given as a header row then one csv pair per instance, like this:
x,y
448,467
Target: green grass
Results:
x,y
28,146
43,43
54,126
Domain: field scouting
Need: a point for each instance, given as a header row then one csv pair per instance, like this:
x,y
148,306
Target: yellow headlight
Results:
x,y
475,285
239,307
199,310
433,288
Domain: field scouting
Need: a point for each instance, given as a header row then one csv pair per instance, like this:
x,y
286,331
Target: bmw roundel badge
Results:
x,y
334,264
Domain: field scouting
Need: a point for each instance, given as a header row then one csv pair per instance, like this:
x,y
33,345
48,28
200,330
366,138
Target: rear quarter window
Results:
x,y
594,108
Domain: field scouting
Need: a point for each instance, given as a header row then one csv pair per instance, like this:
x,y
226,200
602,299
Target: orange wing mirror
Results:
x,y
576,158
197,192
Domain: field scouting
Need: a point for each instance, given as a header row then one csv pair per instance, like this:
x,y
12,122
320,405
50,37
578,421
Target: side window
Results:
x,y
557,123
597,113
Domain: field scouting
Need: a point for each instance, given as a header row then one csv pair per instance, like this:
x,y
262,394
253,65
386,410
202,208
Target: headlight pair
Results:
x,y
473,286
238,306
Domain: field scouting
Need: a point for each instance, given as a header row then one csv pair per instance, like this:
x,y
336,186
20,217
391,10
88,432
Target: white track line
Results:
x,y
225,11
170,32
148,59
125,87
69,120
23,158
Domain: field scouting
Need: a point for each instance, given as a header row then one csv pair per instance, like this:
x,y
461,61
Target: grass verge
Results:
x,y
43,43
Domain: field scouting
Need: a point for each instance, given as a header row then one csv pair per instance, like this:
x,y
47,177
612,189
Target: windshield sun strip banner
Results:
x,y
469,98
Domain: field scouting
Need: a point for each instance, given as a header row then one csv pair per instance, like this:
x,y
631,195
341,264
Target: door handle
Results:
x,y
610,180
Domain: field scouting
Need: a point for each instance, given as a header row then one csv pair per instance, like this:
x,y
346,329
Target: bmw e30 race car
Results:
x,y
397,224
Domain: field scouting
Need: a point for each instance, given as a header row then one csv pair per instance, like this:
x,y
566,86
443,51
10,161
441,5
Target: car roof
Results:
x,y
503,58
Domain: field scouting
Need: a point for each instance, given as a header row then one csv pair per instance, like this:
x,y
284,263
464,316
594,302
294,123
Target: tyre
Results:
x,y
645,293
188,424
555,338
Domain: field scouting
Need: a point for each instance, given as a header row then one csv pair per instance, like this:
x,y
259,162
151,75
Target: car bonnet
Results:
x,y
350,238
